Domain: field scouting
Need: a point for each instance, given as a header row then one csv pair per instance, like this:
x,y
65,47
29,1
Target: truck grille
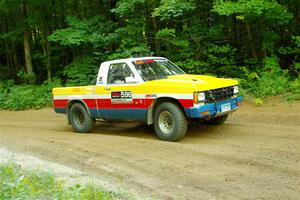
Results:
x,y
219,94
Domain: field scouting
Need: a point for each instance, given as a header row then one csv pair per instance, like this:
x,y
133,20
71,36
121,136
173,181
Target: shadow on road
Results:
x,y
141,130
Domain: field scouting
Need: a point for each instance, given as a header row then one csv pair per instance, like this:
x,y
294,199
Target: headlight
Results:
x,y
201,96
235,89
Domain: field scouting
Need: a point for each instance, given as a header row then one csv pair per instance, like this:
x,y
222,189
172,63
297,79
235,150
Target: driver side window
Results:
x,y
118,72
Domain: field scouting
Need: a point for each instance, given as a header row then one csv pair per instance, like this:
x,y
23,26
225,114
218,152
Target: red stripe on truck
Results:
x,y
91,103
61,103
106,103
136,103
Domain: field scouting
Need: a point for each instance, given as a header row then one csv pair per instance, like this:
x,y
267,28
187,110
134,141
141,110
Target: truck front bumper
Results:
x,y
216,109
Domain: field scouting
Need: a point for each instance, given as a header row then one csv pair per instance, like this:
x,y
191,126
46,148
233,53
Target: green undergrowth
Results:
x,y
17,183
21,97
289,92
257,83
268,81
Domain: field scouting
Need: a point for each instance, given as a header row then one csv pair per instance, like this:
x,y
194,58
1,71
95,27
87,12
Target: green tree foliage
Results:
x,y
293,52
125,8
170,9
252,10
267,81
95,31
19,97
82,71
67,40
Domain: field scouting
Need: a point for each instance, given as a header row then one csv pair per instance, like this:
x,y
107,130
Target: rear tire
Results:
x,y
218,120
80,119
170,122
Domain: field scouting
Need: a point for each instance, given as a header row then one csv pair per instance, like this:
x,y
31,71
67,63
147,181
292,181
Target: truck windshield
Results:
x,y
156,69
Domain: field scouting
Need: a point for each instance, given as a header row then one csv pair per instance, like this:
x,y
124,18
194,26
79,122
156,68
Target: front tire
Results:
x,y
170,122
80,119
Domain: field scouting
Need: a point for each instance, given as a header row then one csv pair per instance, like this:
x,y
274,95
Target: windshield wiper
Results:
x,y
161,77
156,78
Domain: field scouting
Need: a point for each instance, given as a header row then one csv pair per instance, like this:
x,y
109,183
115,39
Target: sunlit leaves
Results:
x,y
82,71
166,33
127,7
95,31
170,9
251,10
296,40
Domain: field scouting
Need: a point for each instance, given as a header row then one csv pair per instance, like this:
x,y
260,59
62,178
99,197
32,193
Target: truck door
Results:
x,y
124,95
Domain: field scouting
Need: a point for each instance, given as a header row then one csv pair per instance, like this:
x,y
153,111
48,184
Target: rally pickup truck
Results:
x,y
149,89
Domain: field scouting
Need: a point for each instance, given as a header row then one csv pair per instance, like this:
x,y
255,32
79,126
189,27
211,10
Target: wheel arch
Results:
x,y
157,102
73,101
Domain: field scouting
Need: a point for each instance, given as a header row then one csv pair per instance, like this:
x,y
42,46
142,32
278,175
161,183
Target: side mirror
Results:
x,y
130,79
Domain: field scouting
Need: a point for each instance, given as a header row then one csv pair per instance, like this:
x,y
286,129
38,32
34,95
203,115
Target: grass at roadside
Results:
x,y
18,183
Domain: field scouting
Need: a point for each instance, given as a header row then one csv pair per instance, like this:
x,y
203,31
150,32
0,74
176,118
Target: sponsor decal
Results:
x,y
100,80
121,97
151,95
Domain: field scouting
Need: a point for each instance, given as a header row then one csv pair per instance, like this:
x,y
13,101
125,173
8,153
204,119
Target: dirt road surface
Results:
x,y
254,155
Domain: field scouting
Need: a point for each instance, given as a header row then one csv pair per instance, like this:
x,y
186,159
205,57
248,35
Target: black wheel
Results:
x,y
218,120
169,122
80,119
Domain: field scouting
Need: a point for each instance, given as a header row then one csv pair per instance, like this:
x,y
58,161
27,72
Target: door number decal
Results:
x,y
121,97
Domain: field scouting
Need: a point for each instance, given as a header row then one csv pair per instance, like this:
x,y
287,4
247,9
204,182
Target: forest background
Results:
x,y
50,43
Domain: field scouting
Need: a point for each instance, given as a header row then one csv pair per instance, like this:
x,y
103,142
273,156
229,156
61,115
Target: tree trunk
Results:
x,y
8,58
15,59
46,51
46,43
27,53
254,54
156,42
48,63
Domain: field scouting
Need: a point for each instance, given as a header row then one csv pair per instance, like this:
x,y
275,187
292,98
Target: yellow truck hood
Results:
x,y
189,82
